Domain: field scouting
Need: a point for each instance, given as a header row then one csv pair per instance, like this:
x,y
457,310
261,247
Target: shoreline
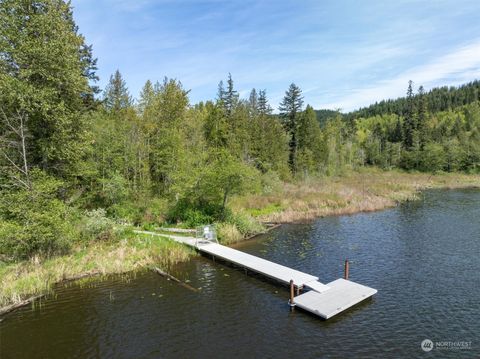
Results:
x,y
358,192
27,281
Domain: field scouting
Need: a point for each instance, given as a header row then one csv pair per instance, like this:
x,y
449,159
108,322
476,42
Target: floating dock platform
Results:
x,y
341,295
324,300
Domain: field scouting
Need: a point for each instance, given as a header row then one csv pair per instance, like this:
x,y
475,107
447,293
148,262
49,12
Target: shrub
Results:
x,y
195,217
271,182
193,214
155,210
228,233
34,221
114,189
433,158
245,223
96,225
127,212
140,212
224,177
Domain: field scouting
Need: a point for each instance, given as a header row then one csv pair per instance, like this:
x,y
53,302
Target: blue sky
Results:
x,y
343,54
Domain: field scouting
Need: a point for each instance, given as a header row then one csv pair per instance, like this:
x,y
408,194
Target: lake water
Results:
x,y
423,257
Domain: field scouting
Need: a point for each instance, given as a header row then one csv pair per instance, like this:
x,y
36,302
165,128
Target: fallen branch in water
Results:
x,y
23,303
169,276
269,226
81,275
12,307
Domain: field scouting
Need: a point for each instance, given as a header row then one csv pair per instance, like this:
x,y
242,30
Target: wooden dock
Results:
x,y
324,300
342,294
262,266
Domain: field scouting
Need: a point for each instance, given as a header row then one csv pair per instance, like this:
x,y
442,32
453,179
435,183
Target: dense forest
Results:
x,y
437,100
76,159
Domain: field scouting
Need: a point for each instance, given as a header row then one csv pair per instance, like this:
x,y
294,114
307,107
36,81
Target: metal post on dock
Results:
x,y
291,302
347,265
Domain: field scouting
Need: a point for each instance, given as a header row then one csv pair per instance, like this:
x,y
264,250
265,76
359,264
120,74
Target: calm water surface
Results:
x,y
423,258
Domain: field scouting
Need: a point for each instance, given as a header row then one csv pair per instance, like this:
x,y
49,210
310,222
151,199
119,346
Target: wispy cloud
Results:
x,y
343,54
456,67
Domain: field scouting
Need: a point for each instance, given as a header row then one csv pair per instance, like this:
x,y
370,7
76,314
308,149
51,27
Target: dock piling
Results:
x,y
346,270
324,300
291,302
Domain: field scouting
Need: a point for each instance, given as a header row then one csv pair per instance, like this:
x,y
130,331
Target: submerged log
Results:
x,y
81,276
12,307
169,276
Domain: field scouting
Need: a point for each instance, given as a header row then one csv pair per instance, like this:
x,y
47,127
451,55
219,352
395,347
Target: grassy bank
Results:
x,y
367,190
34,277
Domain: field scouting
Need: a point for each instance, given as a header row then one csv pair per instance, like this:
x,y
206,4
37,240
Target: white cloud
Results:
x,y
459,66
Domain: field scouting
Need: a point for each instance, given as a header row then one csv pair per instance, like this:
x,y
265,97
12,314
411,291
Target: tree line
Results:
x,y
437,99
73,158
422,136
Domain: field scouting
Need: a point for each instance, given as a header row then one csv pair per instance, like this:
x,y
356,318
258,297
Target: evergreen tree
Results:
x,y
147,96
253,103
438,99
421,116
290,110
263,107
45,69
116,96
309,134
221,93
397,134
308,129
167,138
215,127
410,120
230,97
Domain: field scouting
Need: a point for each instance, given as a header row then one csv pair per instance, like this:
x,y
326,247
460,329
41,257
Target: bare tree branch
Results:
x,y
15,138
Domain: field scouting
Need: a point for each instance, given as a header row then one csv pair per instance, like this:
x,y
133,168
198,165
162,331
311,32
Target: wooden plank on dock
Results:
x,y
342,295
324,300
317,286
269,269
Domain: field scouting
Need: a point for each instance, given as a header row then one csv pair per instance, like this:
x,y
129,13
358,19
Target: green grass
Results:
x,y
263,211
367,190
138,252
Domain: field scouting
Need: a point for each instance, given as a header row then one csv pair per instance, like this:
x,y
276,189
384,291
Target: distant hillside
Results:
x,y
324,115
438,99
